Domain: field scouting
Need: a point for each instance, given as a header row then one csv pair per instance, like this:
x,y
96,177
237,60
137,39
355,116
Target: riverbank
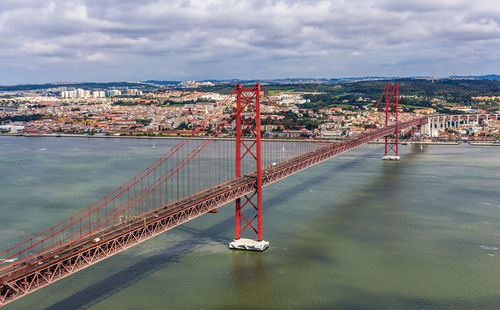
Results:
x,y
485,143
420,142
478,143
147,137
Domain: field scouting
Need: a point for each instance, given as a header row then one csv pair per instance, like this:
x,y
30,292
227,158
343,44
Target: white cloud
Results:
x,y
226,38
96,57
39,47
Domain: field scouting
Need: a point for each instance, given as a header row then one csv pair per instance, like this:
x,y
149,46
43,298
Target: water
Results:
x,y
351,233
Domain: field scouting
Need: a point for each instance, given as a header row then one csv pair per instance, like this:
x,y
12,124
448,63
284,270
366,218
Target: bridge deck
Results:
x,y
23,277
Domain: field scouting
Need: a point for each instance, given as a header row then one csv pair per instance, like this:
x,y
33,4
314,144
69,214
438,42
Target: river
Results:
x,y
353,232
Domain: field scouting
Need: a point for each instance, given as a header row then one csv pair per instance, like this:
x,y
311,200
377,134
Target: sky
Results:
x,y
125,40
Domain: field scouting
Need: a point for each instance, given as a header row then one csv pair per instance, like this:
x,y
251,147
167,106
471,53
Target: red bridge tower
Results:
x,y
249,152
391,93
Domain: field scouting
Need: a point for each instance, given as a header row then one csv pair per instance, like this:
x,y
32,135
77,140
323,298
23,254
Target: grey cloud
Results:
x,y
190,38
422,6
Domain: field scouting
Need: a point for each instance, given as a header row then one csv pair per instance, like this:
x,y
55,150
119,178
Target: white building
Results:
x,y
98,94
12,128
113,92
76,93
68,94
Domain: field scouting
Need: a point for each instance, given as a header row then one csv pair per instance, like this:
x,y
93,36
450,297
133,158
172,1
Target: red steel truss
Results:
x,y
20,281
155,200
249,126
391,94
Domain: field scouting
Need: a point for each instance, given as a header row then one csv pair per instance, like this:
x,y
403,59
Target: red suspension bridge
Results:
x,y
195,177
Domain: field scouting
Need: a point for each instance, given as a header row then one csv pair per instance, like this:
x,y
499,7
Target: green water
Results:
x,y
351,233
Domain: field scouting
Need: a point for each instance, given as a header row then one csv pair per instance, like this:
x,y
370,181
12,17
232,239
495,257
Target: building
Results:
x,y
113,92
131,92
98,94
76,93
68,94
425,111
11,128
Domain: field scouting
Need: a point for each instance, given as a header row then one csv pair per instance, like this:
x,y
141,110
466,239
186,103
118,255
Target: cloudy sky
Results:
x,y
110,40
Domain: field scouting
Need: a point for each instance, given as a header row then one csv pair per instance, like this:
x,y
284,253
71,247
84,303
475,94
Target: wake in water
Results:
x,y
489,248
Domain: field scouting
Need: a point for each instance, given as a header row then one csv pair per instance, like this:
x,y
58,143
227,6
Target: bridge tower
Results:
x,y
249,149
391,94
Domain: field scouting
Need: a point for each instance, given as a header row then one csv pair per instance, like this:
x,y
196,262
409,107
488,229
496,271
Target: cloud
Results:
x,y
96,57
200,39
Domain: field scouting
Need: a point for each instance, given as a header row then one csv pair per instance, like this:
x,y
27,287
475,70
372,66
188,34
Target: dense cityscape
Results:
x,y
175,110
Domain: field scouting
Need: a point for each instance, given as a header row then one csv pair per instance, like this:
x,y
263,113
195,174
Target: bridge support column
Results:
x,y
391,93
251,151
428,127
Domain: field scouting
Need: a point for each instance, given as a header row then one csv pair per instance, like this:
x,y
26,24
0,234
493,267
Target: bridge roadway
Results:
x,y
26,276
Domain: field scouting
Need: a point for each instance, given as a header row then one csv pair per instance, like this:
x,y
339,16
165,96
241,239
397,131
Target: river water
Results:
x,y
353,232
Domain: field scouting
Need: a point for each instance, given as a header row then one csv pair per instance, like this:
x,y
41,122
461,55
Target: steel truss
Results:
x,y
45,271
251,149
391,94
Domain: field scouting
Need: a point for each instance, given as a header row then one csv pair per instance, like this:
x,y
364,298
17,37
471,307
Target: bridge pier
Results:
x,y
391,157
428,128
248,244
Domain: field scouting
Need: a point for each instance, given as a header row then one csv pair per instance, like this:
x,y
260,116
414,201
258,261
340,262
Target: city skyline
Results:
x,y
199,40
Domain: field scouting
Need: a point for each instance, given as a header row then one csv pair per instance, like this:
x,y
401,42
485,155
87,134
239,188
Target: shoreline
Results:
x,y
473,143
484,143
140,137
420,142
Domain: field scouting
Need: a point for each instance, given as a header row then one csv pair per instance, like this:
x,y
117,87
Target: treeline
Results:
x,y
22,118
134,103
456,91
84,85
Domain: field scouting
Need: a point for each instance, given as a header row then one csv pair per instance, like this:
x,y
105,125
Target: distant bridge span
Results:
x,y
442,122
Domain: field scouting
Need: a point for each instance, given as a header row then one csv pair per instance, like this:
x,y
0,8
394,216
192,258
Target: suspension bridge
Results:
x,y
195,177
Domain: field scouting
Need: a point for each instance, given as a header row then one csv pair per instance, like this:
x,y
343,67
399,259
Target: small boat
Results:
x,y
154,146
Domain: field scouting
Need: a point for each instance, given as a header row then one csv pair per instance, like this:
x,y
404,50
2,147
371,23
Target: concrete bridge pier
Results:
x,y
428,127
